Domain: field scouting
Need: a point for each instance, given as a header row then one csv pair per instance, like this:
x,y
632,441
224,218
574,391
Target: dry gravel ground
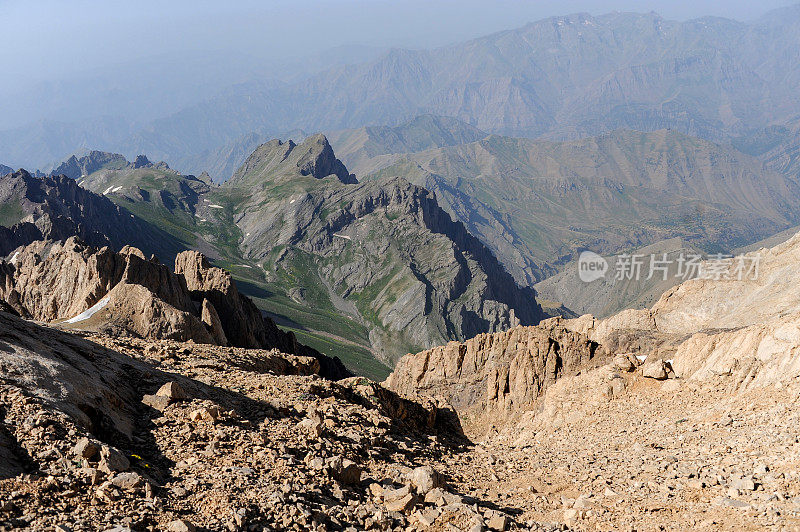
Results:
x,y
261,450
667,455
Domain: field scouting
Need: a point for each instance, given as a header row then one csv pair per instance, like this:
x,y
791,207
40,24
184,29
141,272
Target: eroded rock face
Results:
x,y
82,287
93,288
240,320
758,355
492,377
746,328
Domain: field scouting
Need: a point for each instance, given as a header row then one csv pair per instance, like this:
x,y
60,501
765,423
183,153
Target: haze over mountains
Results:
x,y
536,203
348,299
564,77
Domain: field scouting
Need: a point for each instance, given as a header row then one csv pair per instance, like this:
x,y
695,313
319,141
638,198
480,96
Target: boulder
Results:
x,y
656,369
86,448
180,525
128,480
343,470
399,500
424,479
112,460
173,391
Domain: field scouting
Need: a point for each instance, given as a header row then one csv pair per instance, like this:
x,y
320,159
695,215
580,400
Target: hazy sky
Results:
x,y
47,39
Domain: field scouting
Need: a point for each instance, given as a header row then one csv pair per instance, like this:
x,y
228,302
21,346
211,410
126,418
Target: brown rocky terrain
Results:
x,y
102,433
684,417
90,289
676,417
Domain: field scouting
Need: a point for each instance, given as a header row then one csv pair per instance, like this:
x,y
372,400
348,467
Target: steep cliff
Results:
x,y
383,252
492,378
81,287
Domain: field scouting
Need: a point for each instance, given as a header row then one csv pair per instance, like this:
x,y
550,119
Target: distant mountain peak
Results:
x,y
77,167
284,160
141,161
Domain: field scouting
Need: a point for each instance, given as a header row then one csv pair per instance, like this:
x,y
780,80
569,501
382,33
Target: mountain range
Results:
x,y
561,77
537,203
369,271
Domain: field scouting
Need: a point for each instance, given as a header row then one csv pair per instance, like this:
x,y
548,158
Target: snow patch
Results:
x,y
641,358
342,236
14,258
91,311
116,189
291,202
108,190
215,206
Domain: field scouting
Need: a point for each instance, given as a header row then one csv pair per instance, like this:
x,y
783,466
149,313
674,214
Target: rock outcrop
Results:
x,y
313,157
82,287
492,378
77,167
728,322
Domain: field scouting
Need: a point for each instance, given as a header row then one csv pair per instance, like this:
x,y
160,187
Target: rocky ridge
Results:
x,y
382,253
78,167
431,279
78,286
719,325
56,208
739,318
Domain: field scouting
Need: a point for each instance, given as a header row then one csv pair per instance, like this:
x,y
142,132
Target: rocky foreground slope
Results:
x,y
125,434
573,424
680,416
